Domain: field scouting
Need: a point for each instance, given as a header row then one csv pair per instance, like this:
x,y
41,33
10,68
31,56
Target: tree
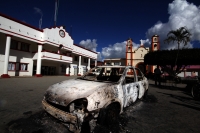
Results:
x,y
181,35
165,59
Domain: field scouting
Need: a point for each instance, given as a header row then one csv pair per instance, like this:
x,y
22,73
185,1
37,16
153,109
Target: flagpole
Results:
x,y
55,13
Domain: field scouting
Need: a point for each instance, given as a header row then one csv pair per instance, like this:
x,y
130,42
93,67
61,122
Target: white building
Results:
x,y
115,61
27,51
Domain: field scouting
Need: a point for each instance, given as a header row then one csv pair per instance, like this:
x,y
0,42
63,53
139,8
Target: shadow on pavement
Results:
x,y
188,106
188,102
42,122
168,87
177,87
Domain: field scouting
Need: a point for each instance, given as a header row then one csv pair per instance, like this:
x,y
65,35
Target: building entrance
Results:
x,y
46,70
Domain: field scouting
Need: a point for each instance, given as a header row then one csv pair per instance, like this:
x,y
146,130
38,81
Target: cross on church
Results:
x,y
141,42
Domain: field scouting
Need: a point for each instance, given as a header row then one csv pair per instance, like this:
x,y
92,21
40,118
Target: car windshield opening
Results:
x,y
101,74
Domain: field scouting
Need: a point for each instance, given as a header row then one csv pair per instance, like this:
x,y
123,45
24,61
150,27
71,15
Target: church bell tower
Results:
x,y
129,53
155,44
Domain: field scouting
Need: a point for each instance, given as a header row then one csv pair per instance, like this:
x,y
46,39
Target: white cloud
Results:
x,y
182,14
116,50
89,44
99,57
146,43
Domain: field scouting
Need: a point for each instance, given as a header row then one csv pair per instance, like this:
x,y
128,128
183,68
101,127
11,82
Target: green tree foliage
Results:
x,y
167,58
181,35
176,61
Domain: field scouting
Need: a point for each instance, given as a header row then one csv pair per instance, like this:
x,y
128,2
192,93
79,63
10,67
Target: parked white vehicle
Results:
x,y
95,98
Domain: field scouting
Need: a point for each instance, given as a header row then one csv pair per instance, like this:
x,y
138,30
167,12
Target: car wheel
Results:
x,y
109,115
144,97
196,91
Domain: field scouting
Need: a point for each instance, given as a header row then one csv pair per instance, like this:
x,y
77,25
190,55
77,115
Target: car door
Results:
x,y
130,87
141,81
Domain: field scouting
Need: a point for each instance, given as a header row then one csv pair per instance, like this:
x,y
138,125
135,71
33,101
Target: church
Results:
x,y
135,56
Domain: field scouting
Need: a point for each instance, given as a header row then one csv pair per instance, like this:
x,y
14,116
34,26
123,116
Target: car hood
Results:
x,y
69,90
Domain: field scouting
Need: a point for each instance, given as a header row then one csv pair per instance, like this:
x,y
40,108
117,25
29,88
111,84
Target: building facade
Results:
x,y
135,57
27,51
116,61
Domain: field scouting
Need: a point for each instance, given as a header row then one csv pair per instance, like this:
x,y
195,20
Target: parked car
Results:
x,y
193,84
95,97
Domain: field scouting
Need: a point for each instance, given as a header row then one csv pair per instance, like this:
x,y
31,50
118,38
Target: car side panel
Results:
x,y
101,97
128,91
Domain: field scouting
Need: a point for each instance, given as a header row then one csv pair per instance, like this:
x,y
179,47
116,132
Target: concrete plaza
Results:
x,y
22,95
166,109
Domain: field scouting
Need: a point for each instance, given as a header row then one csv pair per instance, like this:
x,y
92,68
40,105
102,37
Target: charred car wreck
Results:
x,y
95,97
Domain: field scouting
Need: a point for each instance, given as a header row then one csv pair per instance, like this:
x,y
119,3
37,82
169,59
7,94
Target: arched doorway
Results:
x,y
141,66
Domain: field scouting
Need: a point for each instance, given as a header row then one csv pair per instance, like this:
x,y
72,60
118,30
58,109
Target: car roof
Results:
x,y
110,66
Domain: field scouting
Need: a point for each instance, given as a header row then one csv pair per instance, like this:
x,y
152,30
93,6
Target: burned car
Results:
x,y
97,97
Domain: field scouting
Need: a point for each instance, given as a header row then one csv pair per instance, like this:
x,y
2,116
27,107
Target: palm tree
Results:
x,y
181,35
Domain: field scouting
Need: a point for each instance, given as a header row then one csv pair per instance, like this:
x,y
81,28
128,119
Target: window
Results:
x,y
11,66
23,67
139,74
108,63
129,76
25,47
117,63
155,39
130,72
16,66
129,49
14,44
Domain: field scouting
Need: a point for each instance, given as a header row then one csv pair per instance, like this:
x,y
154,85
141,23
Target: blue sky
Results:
x,y
105,25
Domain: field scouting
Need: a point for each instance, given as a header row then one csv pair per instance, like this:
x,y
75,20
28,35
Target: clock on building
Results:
x,y
62,33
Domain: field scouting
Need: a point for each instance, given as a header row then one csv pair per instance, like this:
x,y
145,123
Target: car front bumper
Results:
x,y
69,118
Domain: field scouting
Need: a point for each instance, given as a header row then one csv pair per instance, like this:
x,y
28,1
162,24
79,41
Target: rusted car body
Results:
x,y
82,99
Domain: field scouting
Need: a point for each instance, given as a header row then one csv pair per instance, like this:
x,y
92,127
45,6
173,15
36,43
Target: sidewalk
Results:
x,y
169,84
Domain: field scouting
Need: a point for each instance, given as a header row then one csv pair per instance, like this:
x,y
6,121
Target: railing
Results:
x,y
53,56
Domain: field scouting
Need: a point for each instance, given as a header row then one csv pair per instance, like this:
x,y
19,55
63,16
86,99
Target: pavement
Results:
x,y
22,96
168,108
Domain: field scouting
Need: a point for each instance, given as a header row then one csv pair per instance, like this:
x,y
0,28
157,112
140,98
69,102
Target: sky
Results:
x,y
105,25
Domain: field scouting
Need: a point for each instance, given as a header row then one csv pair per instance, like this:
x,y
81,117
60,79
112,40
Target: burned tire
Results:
x,y
109,115
144,97
195,91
